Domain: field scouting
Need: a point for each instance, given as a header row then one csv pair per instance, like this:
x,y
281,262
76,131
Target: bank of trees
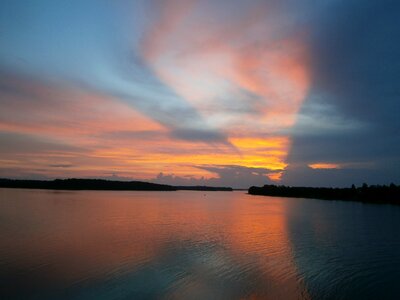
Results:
x,y
373,193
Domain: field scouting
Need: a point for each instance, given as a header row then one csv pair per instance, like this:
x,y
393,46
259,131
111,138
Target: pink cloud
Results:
x,y
211,64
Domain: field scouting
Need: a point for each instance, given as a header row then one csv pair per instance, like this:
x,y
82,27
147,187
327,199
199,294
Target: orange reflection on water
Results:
x,y
261,231
199,239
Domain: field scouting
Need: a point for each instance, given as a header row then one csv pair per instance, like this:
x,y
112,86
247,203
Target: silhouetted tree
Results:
x,y
373,193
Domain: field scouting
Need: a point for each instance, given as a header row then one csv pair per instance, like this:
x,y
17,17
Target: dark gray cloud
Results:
x,y
61,165
355,66
355,59
198,135
305,176
126,135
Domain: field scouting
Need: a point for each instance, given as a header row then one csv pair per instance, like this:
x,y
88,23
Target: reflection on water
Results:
x,y
347,250
194,245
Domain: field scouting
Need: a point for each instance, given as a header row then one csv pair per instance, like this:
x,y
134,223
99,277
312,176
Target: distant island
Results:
x,y
373,194
85,184
100,184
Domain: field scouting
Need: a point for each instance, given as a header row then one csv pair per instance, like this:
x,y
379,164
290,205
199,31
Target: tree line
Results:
x,y
365,193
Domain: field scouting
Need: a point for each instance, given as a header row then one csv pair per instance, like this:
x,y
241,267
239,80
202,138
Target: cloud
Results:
x,y
351,115
353,62
112,136
223,175
239,83
325,166
47,108
16,143
95,52
197,135
304,176
61,165
205,63
33,156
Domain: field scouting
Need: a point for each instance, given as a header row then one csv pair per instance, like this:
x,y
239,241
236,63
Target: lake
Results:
x,y
194,245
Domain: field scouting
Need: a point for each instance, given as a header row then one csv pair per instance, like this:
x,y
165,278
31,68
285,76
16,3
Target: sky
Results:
x,y
221,93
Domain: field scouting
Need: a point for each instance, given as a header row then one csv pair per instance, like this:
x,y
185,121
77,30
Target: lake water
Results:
x,y
194,245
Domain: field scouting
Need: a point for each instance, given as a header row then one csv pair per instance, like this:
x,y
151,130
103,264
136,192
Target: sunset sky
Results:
x,y
223,93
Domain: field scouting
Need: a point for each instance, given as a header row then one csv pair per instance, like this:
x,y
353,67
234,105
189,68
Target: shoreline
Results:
x,y
76,184
380,194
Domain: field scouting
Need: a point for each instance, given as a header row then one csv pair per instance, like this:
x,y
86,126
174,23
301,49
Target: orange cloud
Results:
x,y
279,74
62,111
325,166
208,63
275,176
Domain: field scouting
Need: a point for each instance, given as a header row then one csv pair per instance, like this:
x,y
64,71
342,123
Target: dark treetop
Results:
x,y
100,184
85,184
374,193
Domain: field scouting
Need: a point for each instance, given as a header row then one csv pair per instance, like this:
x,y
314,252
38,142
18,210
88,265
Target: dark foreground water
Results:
x,y
194,245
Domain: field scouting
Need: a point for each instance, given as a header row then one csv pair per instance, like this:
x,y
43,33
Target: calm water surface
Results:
x,y
194,245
